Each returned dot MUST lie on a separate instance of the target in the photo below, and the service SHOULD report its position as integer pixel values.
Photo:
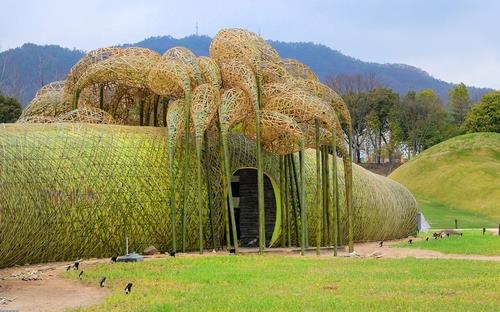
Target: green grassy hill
(458, 178)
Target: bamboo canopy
(241, 106)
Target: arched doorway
(245, 198)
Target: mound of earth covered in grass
(457, 179)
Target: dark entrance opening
(244, 185)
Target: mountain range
(25, 69)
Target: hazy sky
(454, 40)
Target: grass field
(460, 174)
(471, 243)
(442, 216)
(278, 283)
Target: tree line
(387, 126)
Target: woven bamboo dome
(96, 177)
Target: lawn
(442, 216)
(473, 242)
(279, 283)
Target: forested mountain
(23, 70)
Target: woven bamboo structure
(243, 106)
(76, 190)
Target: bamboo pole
(348, 195)
(323, 187)
(209, 191)
(335, 192)
(147, 113)
(282, 206)
(187, 105)
(141, 112)
(292, 199)
(227, 170)
(155, 110)
(260, 170)
(318, 189)
(303, 208)
(199, 187)
(298, 192)
(287, 206)
(226, 197)
(76, 97)
(101, 96)
(328, 199)
(337, 205)
(171, 191)
(164, 112)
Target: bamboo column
(147, 113)
(292, 198)
(209, 189)
(101, 96)
(335, 192)
(187, 105)
(348, 195)
(328, 199)
(225, 195)
(287, 206)
(199, 187)
(171, 183)
(318, 189)
(164, 112)
(303, 212)
(76, 97)
(324, 195)
(155, 110)
(282, 206)
(141, 112)
(260, 170)
(227, 171)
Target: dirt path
(367, 249)
(50, 293)
(54, 293)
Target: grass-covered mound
(458, 178)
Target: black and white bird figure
(128, 288)
(76, 265)
(251, 243)
(426, 239)
(102, 281)
(80, 276)
(381, 244)
(171, 253)
(114, 258)
(410, 241)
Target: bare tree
(354, 89)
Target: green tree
(423, 121)
(10, 109)
(459, 102)
(485, 116)
(381, 102)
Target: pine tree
(459, 103)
